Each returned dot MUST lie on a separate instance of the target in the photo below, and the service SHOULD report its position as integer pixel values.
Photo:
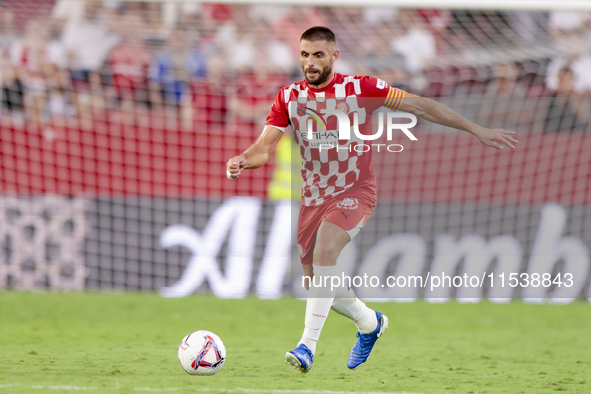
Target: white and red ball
(202, 353)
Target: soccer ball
(202, 353)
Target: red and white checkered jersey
(332, 165)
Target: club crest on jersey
(348, 203)
(343, 107)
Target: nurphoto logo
(325, 138)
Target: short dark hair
(319, 33)
(565, 70)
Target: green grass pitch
(105, 342)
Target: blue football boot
(362, 348)
(301, 358)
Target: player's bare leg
(330, 240)
(347, 304)
(370, 324)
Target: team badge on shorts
(301, 251)
(348, 203)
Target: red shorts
(349, 210)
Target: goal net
(117, 119)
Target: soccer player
(339, 188)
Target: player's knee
(329, 243)
(326, 254)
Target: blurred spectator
(551, 78)
(91, 102)
(503, 104)
(7, 30)
(207, 30)
(89, 40)
(56, 69)
(174, 68)
(222, 12)
(208, 99)
(391, 70)
(229, 30)
(129, 63)
(378, 44)
(380, 61)
(255, 91)
(579, 65)
(268, 13)
(60, 104)
(563, 23)
(349, 27)
(60, 100)
(379, 15)
(257, 47)
(437, 22)
(24, 11)
(506, 81)
(417, 44)
(155, 31)
(68, 10)
(289, 28)
(12, 90)
(567, 111)
(36, 57)
(12, 93)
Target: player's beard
(322, 77)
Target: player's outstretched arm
(257, 154)
(438, 113)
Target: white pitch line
(203, 389)
(39, 387)
(279, 391)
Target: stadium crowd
(217, 66)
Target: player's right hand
(234, 166)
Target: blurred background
(117, 119)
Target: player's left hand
(496, 138)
